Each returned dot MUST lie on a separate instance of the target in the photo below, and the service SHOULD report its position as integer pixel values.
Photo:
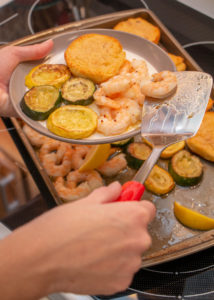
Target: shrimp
(134, 93)
(102, 100)
(126, 68)
(111, 122)
(113, 166)
(36, 139)
(140, 69)
(79, 155)
(161, 85)
(77, 184)
(116, 85)
(56, 158)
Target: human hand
(90, 246)
(11, 56)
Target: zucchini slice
(78, 91)
(136, 154)
(122, 143)
(172, 149)
(47, 74)
(159, 181)
(185, 168)
(40, 101)
(72, 121)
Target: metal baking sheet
(171, 240)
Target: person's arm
(11, 56)
(90, 247)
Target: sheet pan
(171, 240)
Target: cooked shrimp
(134, 93)
(141, 71)
(126, 68)
(161, 85)
(102, 100)
(113, 166)
(36, 139)
(116, 85)
(112, 121)
(56, 158)
(77, 184)
(79, 155)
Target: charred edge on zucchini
(40, 101)
(185, 168)
(78, 91)
(136, 154)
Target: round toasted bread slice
(203, 142)
(140, 27)
(95, 56)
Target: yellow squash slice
(159, 181)
(172, 149)
(72, 121)
(192, 219)
(47, 74)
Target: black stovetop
(191, 277)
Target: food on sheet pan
(137, 153)
(191, 218)
(95, 56)
(209, 104)
(203, 142)
(72, 121)
(178, 61)
(47, 74)
(40, 101)
(140, 27)
(159, 182)
(172, 149)
(185, 168)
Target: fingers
(33, 52)
(105, 194)
(149, 209)
(6, 108)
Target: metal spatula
(175, 118)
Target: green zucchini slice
(122, 143)
(40, 101)
(136, 154)
(78, 91)
(185, 168)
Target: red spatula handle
(131, 191)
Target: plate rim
(86, 141)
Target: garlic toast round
(140, 27)
(95, 56)
(203, 142)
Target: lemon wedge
(97, 155)
(192, 218)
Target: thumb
(33, 52)
(104, 194)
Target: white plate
(134, 46)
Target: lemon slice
(97, 155)
(192, 218)
(72, 121)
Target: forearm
(22, 276)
